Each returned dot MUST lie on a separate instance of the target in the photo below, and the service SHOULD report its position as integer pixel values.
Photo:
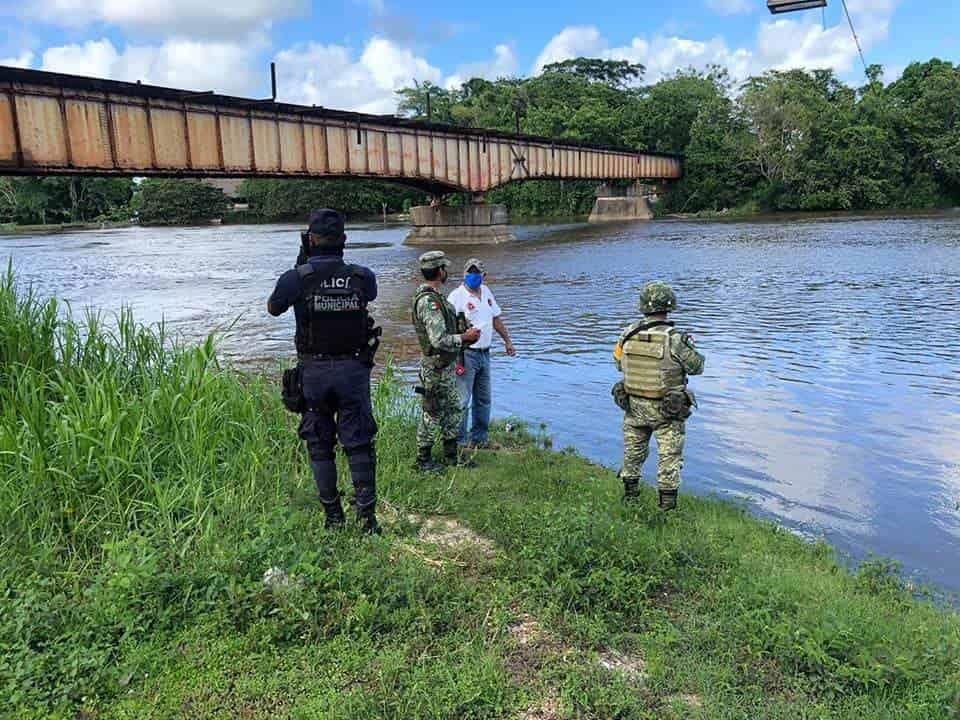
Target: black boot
(367, 520)
(631, 491)
(668, 499)
(335, 519)
(363, 471)
(325, 475)
(425, 461)
(453, 457)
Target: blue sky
(354, 54)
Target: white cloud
(661, 55)
(784, 44)
(665, 55)
(731, 7)
(502, 64)
(189, 18)
(192, 65)
(781, 44)
(23, 60)
(571, 42)
(330, 76)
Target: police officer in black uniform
(335, 341)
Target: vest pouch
(292, 390)
(643, 364)
(676, 405)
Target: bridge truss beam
(63, 124)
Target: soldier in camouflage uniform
(655, 359)
(435, 321)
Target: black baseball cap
(326, 223)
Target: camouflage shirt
(429, 316)
(682, 348)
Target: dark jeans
(475, 396)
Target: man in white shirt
(475, 300)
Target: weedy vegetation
(163, 555)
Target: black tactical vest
(334, 321)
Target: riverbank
(754, 213)
(56, 228)
(165, 555)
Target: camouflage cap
(657, 297)
(433, 259)
(474, 262)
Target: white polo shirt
(480, 311)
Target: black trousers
(338, 395)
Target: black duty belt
(304, 357)
(479, 350)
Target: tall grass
(108, 430)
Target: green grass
(145, 489)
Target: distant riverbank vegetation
(292, 200)
(72, 201)
(781, 141)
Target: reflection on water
(829, 399)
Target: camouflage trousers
(639, 423)
(441, 403)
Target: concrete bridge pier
(622, 203)
(475, 224)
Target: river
(830, 398)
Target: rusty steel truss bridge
(63, 124)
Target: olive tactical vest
(449, 319)
(335, 321)
(649, 369)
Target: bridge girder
(63, 124)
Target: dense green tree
(179, 202)
(616, 73)
(295, 199)
(57, 199)
(925, 109)
(667, 110)
(544, 198)
(716, 174)
(425, 99)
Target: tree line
(783, 140)
(62, 200)
(57, 200)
